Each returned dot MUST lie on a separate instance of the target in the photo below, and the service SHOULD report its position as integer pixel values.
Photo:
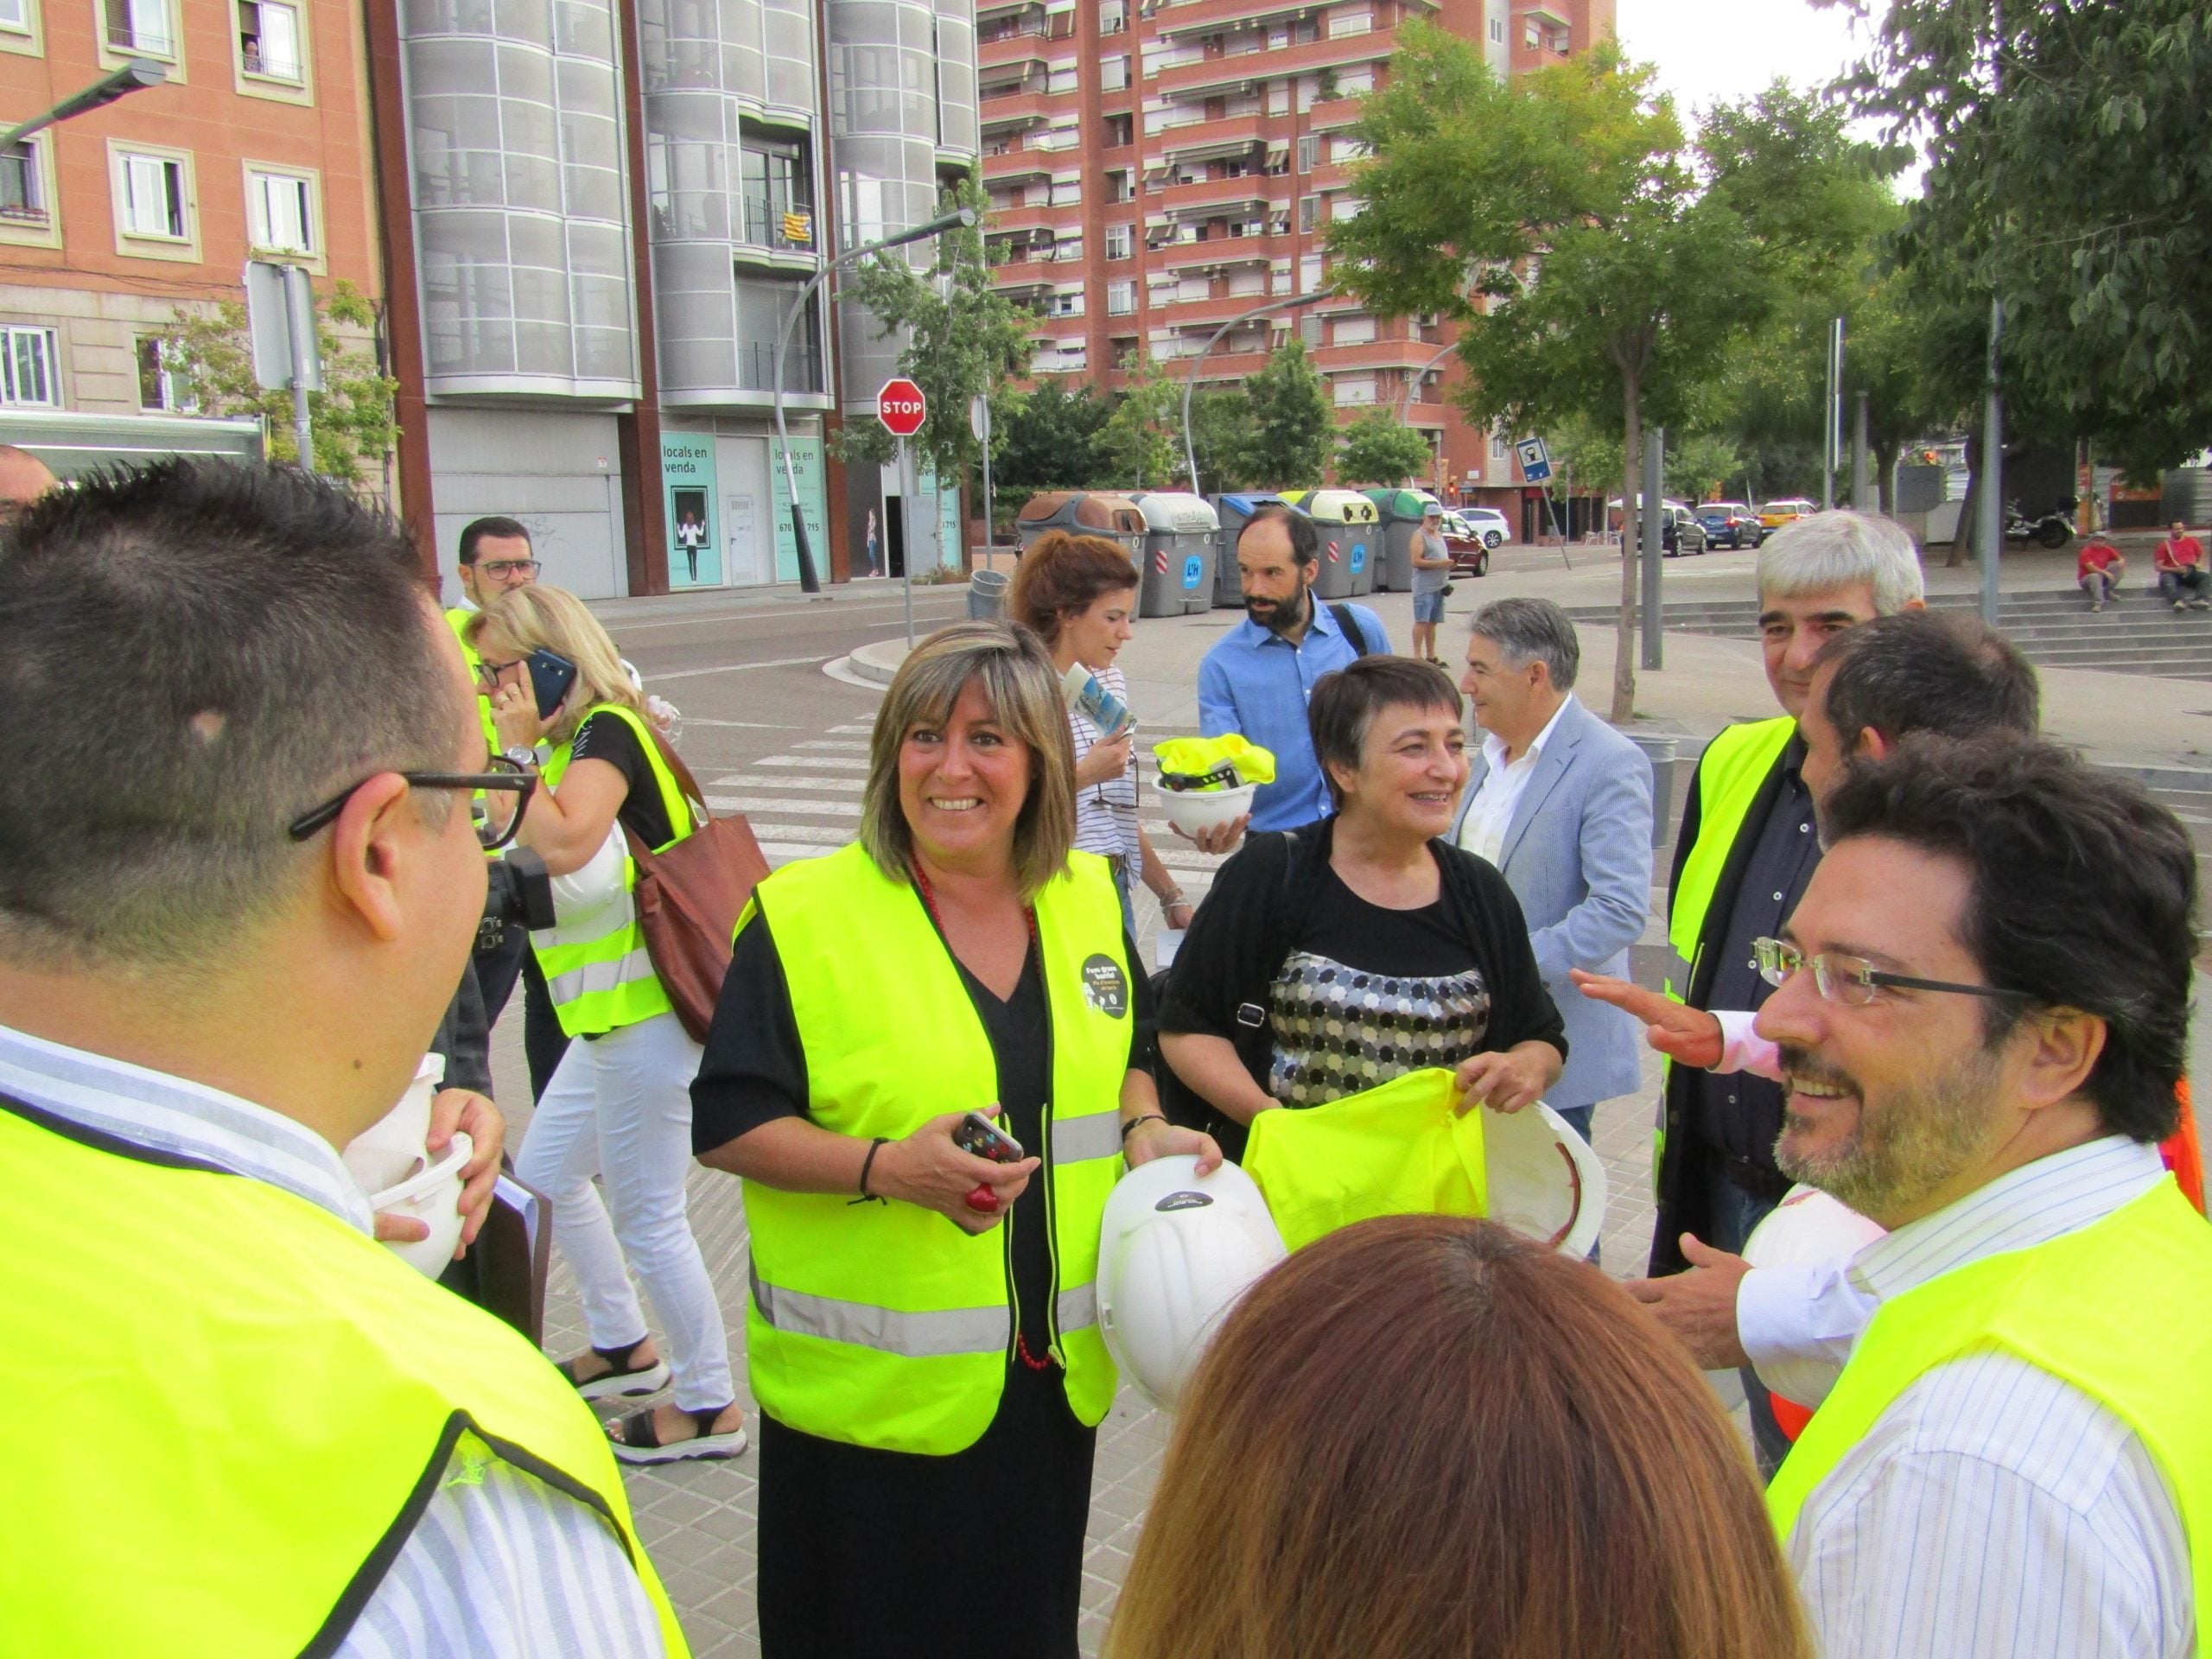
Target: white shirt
(1994, 1511)
(1483, 832)
(499, 1563)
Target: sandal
(637, 1440)
(625, 1379)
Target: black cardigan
(1251, 921)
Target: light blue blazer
(1578, 856)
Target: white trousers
(621, 1109)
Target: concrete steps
(2137, 634)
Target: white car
(1487, 521)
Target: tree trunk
(1885, 462)
(1623, 708)
(1969, 509)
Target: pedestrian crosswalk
(806, 801)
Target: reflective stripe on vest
(599, 974)
(882, 1325)
(2121, 1310)
(1729, 776)
(243, 1406)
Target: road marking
(749, 804)
(740, 668)
(778, 780)
(831, 743)
(819, 762)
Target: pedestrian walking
(922, 1331)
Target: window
(1064, 305)
(1113, 74)
(22, 185)
(1120, 131)
(29, 373)
(1498, 446)
(1309, 208)
(1121, 241)
(1498, 30)
(1119, 185)
(160, 386)
(279, 211)
(1309, 151)
(153, 196)
(1355, 331)
(1113, 16)
(140, 26)
(1309, 274)
(1349, 23)
(269, 39)
(1121, 298)
(15, 14)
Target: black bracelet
(866, 1164)
(1142, 1117)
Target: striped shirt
(1106, 814)
(499, 1563)
(1993, 1510)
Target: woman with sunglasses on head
(619, 1105)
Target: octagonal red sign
(901, 407)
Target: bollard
(986, 595)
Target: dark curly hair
(2083, 895)
(1062, 576)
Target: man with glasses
(239, 874)
(1982, 1009)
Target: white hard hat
(1807, 1228)
(1545, 1182)
(1175, 1252)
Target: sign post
(902, 409)
(1536, 468)
(280, 323)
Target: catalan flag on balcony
(798, 227)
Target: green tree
(1294, 424)
(961, 337)
(211, 353)
(1046, 438)
(1141, 445)
(1598, 264)
(1223, 431)
(1698, 464)
(2068, 171)
(1381, 449)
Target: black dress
(865, 1552)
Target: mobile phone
(978, 1136)
(550, 676)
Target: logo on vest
(1105, 986)
(1182, 1201)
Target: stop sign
(901, 407)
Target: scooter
(2052, 529)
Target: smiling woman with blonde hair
(956, 974)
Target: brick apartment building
(256, 145)
(1158, 167)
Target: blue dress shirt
(1256, 682)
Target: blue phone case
(550, 676)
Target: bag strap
(685, 783)
(1350, 625)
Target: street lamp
(133, 77)
(1291, 302)
(960, 218)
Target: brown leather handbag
(689, 895)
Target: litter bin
(1400, 513)
(1659, 748)
(1178, 549)
(1234, 512)
(986, 595)
(1084, 513)
(1348, 537)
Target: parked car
(1488, 523)
(1468, 544)
(1680, 534)
(1775, 514)
(1729, 524)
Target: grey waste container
(1659, 748)
(1083, 512)
(1400, 513)
(1179, 544)
(986, 595)
(1349, 536)
(1234, 512)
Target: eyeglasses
(1852, 981)
(505, 568)
(506, 776)
(487, 674)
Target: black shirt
(609, 738)
(754, 1071)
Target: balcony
(1213, 250)
(1029, 216)
(1000, 111)
(1208, 16)
(1209, 196)
(1207, 313)
(1407, 354)
(1269, 63)
(778, 226)
(1019, 278)
(1331, 113)
(1006, 165)
(1024, 46)
(1201, 140)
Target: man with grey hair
(1747, 848)
(239, 879)
(1561, 802)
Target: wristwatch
(522, 755)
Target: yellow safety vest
(599, 972)
(885, 1325)
(457, 620)
(1398, 1149)
(1729, 773)
(2121, 1309)
(234, 1407)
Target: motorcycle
(2052, 529)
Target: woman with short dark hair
(1425, 1435)
(1330, 959)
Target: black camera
(516, 889)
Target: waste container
(986, 595)
(1234, 512)
(1660, 749)
(1178, 549)
(1348, 537)
(1083, 512)
(1399, 512)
